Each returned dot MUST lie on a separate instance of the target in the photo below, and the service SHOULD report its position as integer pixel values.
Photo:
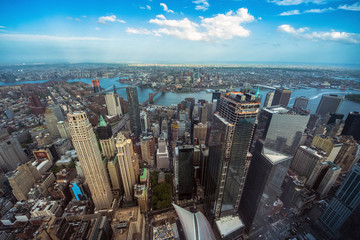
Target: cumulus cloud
(297, 12)
(333, 35)
(353, 7)
(142, 31)
(111, 18)
(148, 7)
(221, 26)
(166, 9)
(202, 5)
(296, 2)
(35, 37)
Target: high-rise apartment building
(56, 109)
(63, 128)
(229, 157)
(147, 144)
(329, 104)
(106, 138)
(268, 100)
(266, 174)
(200, 133)
(88, 152)
(22, 180)
(127, 163)
(301, 102)
(346, 200)
(352, 125)
(134, 110)
(11, 153)
(281, 97)
(113, 104)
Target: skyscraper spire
(102, 121)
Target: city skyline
(278, 31)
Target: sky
(181, 31)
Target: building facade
(134, 110)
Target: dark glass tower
(352, 125)
(229, 157)
(329, 104)
(281, 97)
(134, 111)
(301, 102)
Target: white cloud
(297, 12)
(353, 7)
(2, 26)
(289, 29)
(291, 12)
(35, 37)
(333, 35)
(221, 26)
(97, 29)
(111, 18)
(148, 7)
(202, 5)
(69, 18)
(166, 9)
(160, 16)
(142, 31)
(77, 19)
(296, 2)
(142, 7)
(84, 16)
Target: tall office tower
(323, 177)
(209, 111)
(266, 174)
(281, 97)
(147, 144)
(88, 152)
(329, 104)
(301, 102)
(114, 173)
(203, 114)
(200, 133)
(144, 121)
(126, 158)
(215, 96)
(106, 138)
(268, 100)
(113, 104)
(347, 156)
(22, 180)
(305, 160)
(346, 200)
(335, 118)
(134, 110)
(35, 104)
(56, 109)
(184, 157)
(331, 146)
(11, 153)
(63, 128)
(282, 127)
(96, 85)
(51, 123)
(352, 125)
(230, 139)
(162, 154)
(181, 126)
(140, 193)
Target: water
(170, 98)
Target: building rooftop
(273, 156)
(143, 175)
(229, 224)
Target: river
(170, 98)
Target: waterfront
(170, 98)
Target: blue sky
(188, 31)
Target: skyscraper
(56, 109)
(127, 167)
(301, 102)
(269, 98)
(113, 104)
(266, 174)
(305, 160)
(184, 169)
(88, 152)
(51, 123)
(352, 125)
(134, 110)
(106, 138)
(329, 104)
(11, 153)
(147, 144)
(281, 97)
(229, 157)
(96, 85)
(346, 200)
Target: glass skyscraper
(134, 110)
(229, 158)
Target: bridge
(152, 96)
(116, 128)
(116, 88)
(264, 86)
